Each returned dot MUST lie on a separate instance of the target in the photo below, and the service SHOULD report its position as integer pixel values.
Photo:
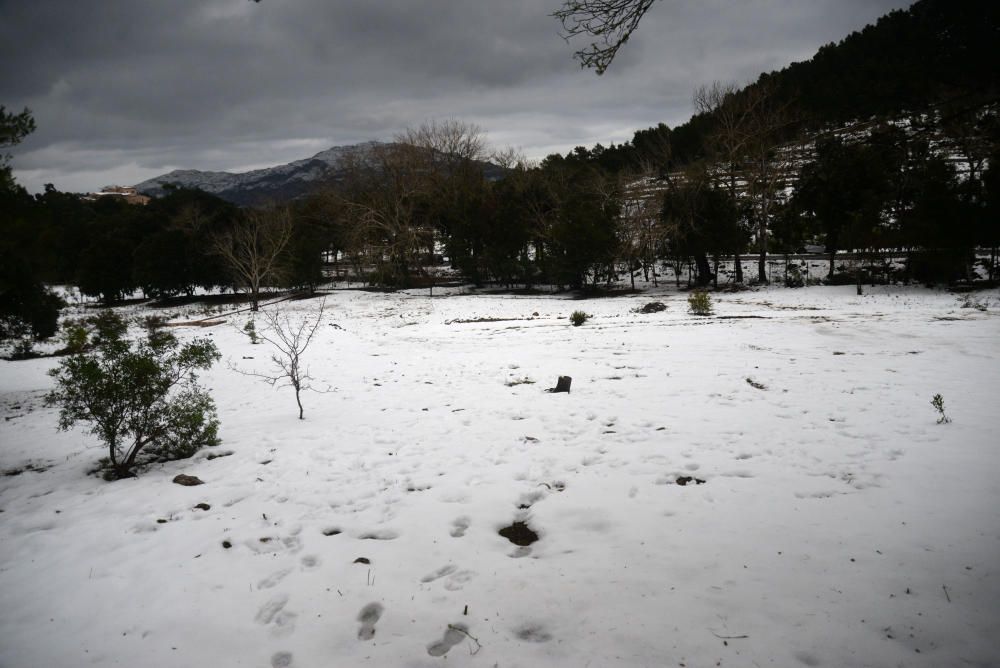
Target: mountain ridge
(281, 182)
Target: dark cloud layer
(123, 90)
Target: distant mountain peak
(278, 183)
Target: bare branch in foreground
(611, 21)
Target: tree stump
(562, 385)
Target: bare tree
(449, 142)
(510, 158)
(381, 200)
(289, 341)
(253, 247)
(395, 191)
(612, 22)
(744, 147)
(768, 163)
(728, 144)
(640, 234)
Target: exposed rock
(188, 480)
(519, 533)
(653, 307)
(686, 479)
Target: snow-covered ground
(838, 524)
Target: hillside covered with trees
(884, 143)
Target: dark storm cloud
(127, 89)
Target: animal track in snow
(369, 615)
(309, 562)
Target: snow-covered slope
(837, 525)
(278, 183)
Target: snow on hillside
(837, 525)
(241, 187)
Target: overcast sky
(124, 90)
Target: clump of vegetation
(75, 336)
(153, 323)
(513, 382)
(141, 399)
(250, 329)
(938, 403)
(794, 277)
(972, 302)
(23, 349)
(651, 307)
(578, 318)
(28, 310)
(700, 303)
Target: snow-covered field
(838, 524)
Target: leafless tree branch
(612, 22)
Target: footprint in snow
(273, 544)
(527, 500)
(281, 660)
(274, 578)
(369, 615)
(533, 633)
(459, 526)
(456, 581)
(273, 613)
(269, 610)
(439, 573)
(454, 635)
(381, 534)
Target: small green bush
(578, 318)
(250, 329)
(76, 336)
(938, 403)
(700, 303)
(141, 399)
